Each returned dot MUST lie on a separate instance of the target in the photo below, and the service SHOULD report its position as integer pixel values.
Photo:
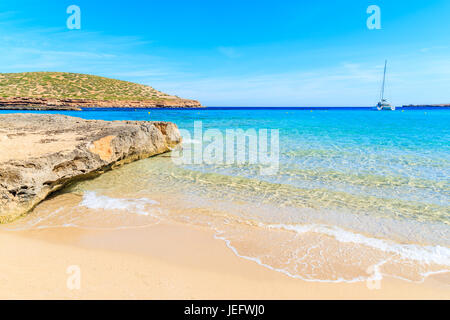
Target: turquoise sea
(357, 194)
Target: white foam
(289, 274)
(140, 206)
(426, 254)
(423, 254)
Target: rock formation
(18, 103)
(40, 153)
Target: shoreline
(188, 107)
(172, 258)
(42, 104)
(48, 152)
(149, 263)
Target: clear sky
(241, 52)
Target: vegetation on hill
(63, 85)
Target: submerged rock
(40, 153)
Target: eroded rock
(40, 154)
(35, 103)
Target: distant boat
(383, 104)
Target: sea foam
(140, 206)
(433, 259)
(426, 254)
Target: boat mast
(384, 78)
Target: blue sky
(241, 52)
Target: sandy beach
(165, 261)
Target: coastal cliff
(19, 103)
(73, 91)
(43, 153)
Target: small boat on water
(383, 104)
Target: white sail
(383, 104)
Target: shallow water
(358, 193)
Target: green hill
(62, 85)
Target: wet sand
(169, 260)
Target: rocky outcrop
(40, 153)
(24, 103)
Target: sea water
(357, 193)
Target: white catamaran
(383, 104)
